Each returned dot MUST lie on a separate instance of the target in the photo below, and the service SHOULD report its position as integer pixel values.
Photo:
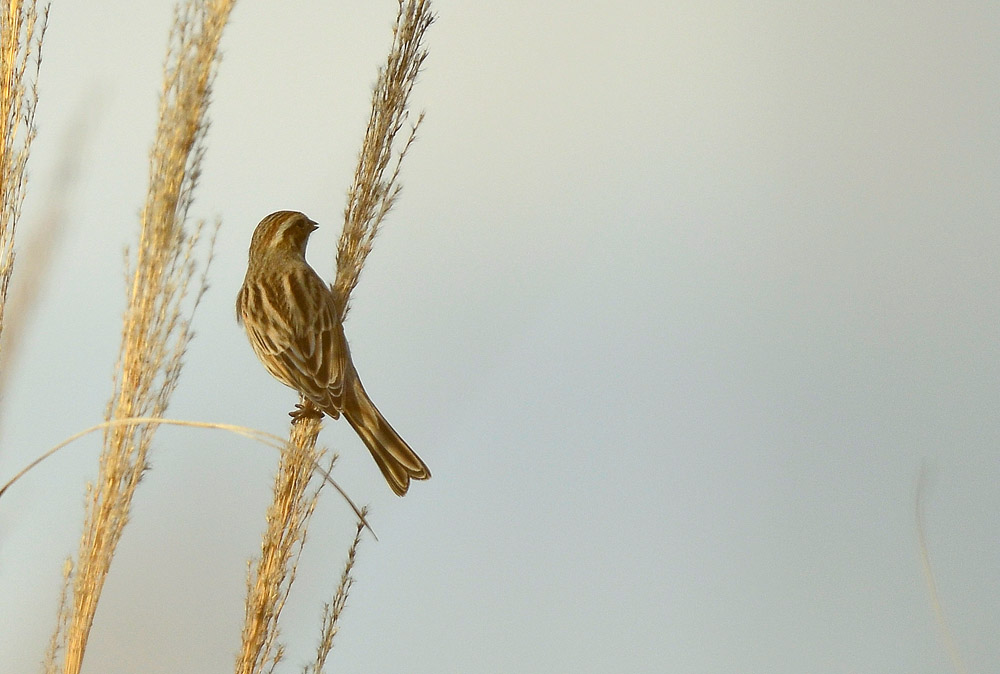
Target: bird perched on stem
(295, 327)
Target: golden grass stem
(375, 187)
(270, 580)
(156, 328)
(332, 611)
(245, 431)
(20, 44)
(371, 196)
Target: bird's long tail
(394, 457)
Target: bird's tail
(394, 457)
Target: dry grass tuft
(270, 581)
(371, 196)
(55, 642)
(333, 610)
(20, 45)
(375, 188)
(156, 327)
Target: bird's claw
(305, 410)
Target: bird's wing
(300, 341)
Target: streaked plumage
(294, 327)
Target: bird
(295, 326)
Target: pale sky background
(676, 302)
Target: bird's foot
(305, 410)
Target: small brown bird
(295, 328)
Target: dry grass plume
(270, 579)
(335, 608)
(372, 195)
(156, 326)
(375, 187)
(20, 48)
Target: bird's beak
(313, 226)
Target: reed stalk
(163, 291)
(371, 197)
(21, 38)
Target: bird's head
(281, 233)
